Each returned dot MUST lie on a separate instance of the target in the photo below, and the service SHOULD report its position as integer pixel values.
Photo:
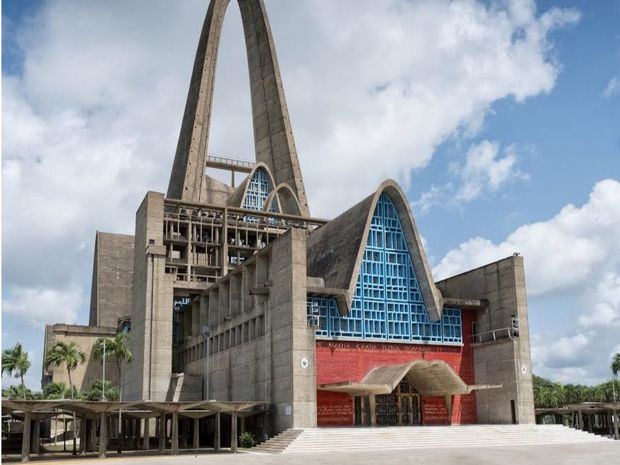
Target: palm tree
(68, 354)
(97, 390)
(615, 364)
(15, 361)
(17, 391)
(59, 391)
(115, 347)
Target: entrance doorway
(402, 407)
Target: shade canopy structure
(428, 378)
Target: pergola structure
(31, 412)
(578, 412)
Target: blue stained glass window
(387, 303)
(257, 191)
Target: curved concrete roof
(287, 200)
(429, 378)
(336, 250)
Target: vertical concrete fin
(273, 135)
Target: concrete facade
(110, 296)
(84, 375)
(222, 287)
(502, 352)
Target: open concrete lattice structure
(236, 293)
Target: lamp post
(103, 382)
(205, 332)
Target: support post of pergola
(233, 432)
(26, 438)
(162, 432)
(83, 436)
(36, 436)
(449, 408)
(103, 435)
(196, 444)
(216, 429)
(373, 409)
(174, 448)
(145, 443)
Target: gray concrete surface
(608, 454)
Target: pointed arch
(273, 136)
(239, 197)
(285, 198)
(336, 250)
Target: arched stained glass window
(387, 303)
(257, 191)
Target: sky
(500, 119)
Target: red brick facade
(338, 361)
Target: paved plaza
(560, 454)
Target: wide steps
(385, 438)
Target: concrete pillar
(373, 409)
(83, 437)
(26, 438)
(449, 408)
(174, 448)
(216, 430)
(103, 435)
(196, 444)
(615, 420)
(162, 432)
(580, 419)
(233, 432)
(36, 436)
(92, 435)
(146, 438)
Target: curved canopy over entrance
(429, 378)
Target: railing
(495, 334)
(215, 161)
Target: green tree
(15, 361)
(68, 354)
(18, 391)
(59, 391)
(96, 391)
(116, 348)
(615, 364)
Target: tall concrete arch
(273, 135)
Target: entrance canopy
(429, 378)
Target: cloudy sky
(501, 119)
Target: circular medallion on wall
(304, 362)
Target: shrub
(246, 440)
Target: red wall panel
(338, 361)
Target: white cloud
(91, 121)
(35, 307)
(484, 170)
(568, 250)
(613, 88)
(575, 251)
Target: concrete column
(26, 438)
(196, 433)
(216, 430)
(174, 448)
(162, 432)
(83, 436)
(373, 409)
(233, 432)
(146, 438)
(580, 418)
(92, 435)
(615, 420)
(449, 408)
(103, 435)
(36, 436)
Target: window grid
(257, 192)
(387, 303)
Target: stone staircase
(383, 438)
